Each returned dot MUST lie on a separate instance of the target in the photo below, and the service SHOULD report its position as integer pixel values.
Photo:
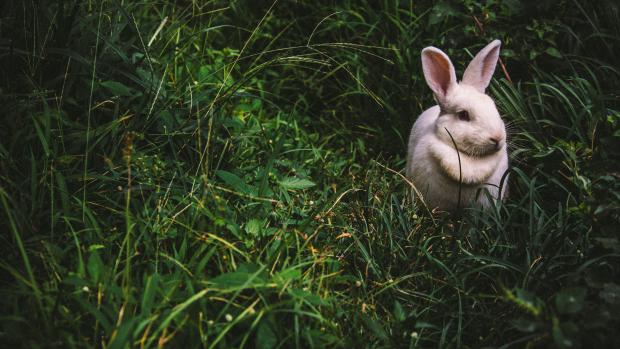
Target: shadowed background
(229, 173)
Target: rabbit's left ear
(480, 71)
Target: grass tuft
(228, 174)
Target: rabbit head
(467, 112)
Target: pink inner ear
(490, 61)
(437, 72)
(480, 71)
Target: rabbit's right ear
(480, 70)
(438, 72)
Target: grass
(229, 174)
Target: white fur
(432, 160)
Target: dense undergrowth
(229, 174)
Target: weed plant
(230, 174)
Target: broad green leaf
(234, 181)
(95, 266)
(243, 278)
(552, 51)
(252, 268)
(296, 183)
(232, 280)
(399, 312)
(287, 275)
(123, 333)
(254, 226)
(99, 315)
(375, 327)
(424, 324)
(149, 293)
(117, 88)
(234, 229)
(307, 296)
(266, 338)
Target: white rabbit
(472, 120)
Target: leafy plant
(228, 174)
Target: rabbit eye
(463, 115)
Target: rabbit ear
(480, 71)
(438, 72)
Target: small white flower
(414, 334)
(85, 289)
(228, 317)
